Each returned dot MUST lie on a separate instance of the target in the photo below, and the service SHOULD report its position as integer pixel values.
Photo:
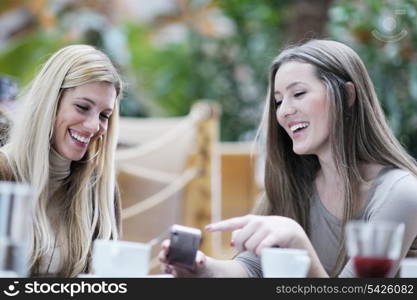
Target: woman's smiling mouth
(79, 139)
(297, 128)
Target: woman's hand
(253, 233)
(200, 268)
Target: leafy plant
(385, 36)
(229, 68)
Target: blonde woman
(331, 157)
(63, 144)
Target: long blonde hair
(90, 189)
(358, 133)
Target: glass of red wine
(374, 247)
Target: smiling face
(302, 107)
(82, 117)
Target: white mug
(120, 258)
(408, 268)
(284, 263)
(16, 221)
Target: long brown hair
(358, 133)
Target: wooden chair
(156, 159)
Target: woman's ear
(351, 93)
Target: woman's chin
(299, 151)
(75, 156)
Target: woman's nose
(92, 124)
(285, 109)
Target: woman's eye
(103, 116)
(299, 94)
(278, 103)
(81, 107)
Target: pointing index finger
(228, 224)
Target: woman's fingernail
(208, 227)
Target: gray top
(392, 197)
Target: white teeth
(80, 138)
(298, 126)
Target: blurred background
(175, 53)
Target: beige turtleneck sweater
(59, 170)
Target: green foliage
(23, 57)
(166, 75)
(384, 33)
(230, 69)
(163, 74)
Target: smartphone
(185, 242)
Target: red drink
(372, 266)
